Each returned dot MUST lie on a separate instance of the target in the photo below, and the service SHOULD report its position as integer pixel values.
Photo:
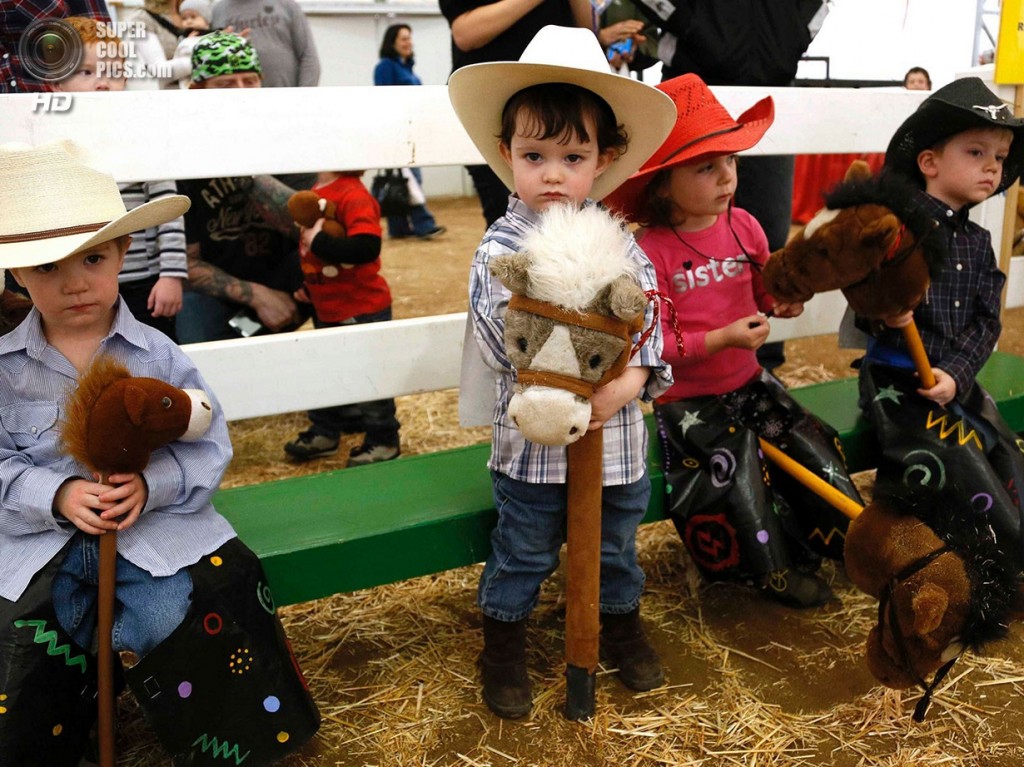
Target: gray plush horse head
(568, 326)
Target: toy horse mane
(993, 580)
(75, 431)
(575, 254)
(898, 195)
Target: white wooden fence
(196, 134)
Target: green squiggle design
(220, 749)
(42, 636)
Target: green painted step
(355, 528)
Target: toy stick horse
(870, 243)
(938, 594)
(114, 421)
(574, 306)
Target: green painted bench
(355, 528)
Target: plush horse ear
(929, 605)
(858, 171)
(512, 272)
(134, 403)
(880, 234)
(626, 299)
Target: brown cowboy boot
(506, 685)
(627, 648)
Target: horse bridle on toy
(592, 321)
(886, 606)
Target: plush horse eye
(595, 361)
(521, 343)
(166, 402)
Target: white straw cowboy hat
(561, 55)
(52, 205)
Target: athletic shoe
(368, 453)
(311, 445)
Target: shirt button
(949, 213)
(956, 304)
(6, 56)
(33, 430)
(959, 267)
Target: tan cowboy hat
(703, 128)
(561, 55)
(52, 205)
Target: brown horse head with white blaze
(874, 242)
(575, 303)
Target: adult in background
(917, 79)
(243, 264)
(15, 17)
(395, 68)
(500, 31)
(280, 32)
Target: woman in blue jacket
(395, 68)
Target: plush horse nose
(549, 416)
(201, 416)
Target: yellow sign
(1010, 49)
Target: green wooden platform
(355, 528)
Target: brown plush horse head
(870, 241)
(940, 591)
(574, 306)
(115, 421)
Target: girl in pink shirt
(739, 516)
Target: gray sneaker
(367, 453)
(310, 445)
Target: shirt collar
(942, 212)
(28, 336)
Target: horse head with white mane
(575, 305)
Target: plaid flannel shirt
(625, 434)
(959, 317)
(15, 16)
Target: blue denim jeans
(147, 608)
(205, 318)
(530, 532)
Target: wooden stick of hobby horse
(811, 481)
(583, 579)
(105, 652)
(918, 355)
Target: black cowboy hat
(952, 109)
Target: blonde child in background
(195, 21)
(738, 517)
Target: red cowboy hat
(702, 127)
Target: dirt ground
(749, 682)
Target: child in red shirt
(342, 280)
(738, 516)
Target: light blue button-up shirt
(178, 524)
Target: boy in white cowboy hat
(708, 257)
(559, 128)
(63, 236)
(961, 146)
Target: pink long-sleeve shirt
(712, 283)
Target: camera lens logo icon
(50, 49)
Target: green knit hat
(223, 53)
